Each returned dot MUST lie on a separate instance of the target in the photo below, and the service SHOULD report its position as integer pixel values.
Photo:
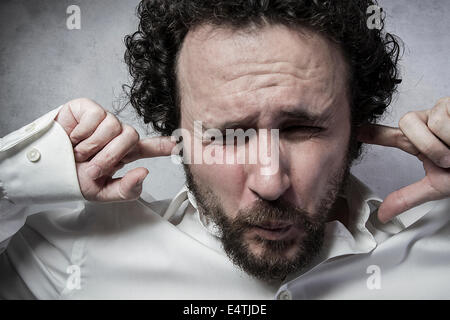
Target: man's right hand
(102, 145)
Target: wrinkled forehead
(219, 63)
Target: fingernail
(140, 182)
(93, 171)
(137, 187)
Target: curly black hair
(372, 54)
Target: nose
(268, 187)
(268, 183)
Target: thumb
(406, 198)
(129, 187)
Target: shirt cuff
(37, 164)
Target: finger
(406, 198)
(439, 120)
(113, 152)
(128, 187)
(414, 127)
(66, 119)
(88, 115)
(107, 130)
(149, 148)
(386, 136)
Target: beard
(276, 258)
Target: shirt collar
(363, 234)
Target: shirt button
(33, 155)
(285, 295)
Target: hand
(425, 134)
(103, 145)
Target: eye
(222, 140)
(302, 128)
(301, 131)
(215, 140)
(235, 139)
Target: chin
(275, 249)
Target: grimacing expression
(270, 77)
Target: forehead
(228, 75)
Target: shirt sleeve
(37, 167)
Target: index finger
(386, 136)
(150, 148)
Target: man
(308, 229)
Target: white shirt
(56, 245)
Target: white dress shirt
(56, 245)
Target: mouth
(274, 230)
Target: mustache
(277, 210)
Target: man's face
(271, 78)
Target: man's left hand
(425, 134)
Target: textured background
(43, 64)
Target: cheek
(226, 181)
(311, 166)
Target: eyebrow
(241, 123)
(305, 116)
(302, 116)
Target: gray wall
(43, 64)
